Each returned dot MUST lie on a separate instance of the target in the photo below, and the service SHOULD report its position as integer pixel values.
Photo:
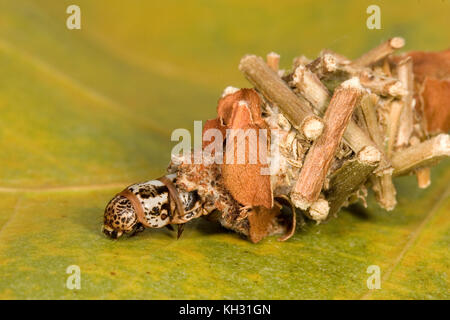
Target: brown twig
(421, 155)
(406, 76)
(311, 88)
(385, 192)
(337, 57)
(423, 174)
(325, 64)
(348, 179)
(321, 153)
(296, 109)
(355, 137)
(383, 186)
(386, 67)
(380, 52)
(368, 105)
(384, 86)
(300, 60)
(396, 107)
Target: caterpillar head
(121, 215)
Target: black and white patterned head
(120, 217)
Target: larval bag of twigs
(314, 139)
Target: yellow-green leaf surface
(85, 112)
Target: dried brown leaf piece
(242, 176)
(212, 124)
(226, 106)
(244, 179)
(436, 104)
(291, 226)
(263, 222)
(430, 64)
(432, 79)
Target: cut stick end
(369, 155)
(299, 74)
(299, 201)
(424, 185)
(380, 52)
(319, 210)
(245, 60)
(397, 89)
(397, 42)
(273, 55)
(329, 63)
(421, 155)
(442, 145)
(352, 83)
(423, 177)
(312, 127)
(301, 60)
(273, 61)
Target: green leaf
(83, 113)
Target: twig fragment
(337, 57)
(311, 87)
(325, 64)
(368, 105)
(347, 180)
(318, 160)
(421, 155)
(383, 186)
(296, 109)
(385, 192)
(318, 96)
(423, 174)
(384, 86)
(406, 76)
(393, 124)
(380, 52)
(423, 177)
